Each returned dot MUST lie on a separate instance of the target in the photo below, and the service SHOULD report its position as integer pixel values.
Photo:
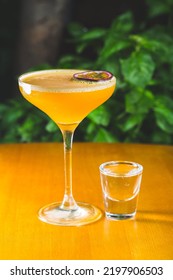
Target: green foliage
(22, 122)
(140, 55)
(138, 69)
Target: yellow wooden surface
(31, 175)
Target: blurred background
(131, 38)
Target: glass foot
(84, 214)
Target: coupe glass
(67, 101)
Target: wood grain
(31, 175)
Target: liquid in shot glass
(120, 181)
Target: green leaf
(148, 43)
(51, 126)
(104, 136)
(160, 42)
(123, 23)
(100, 116)
(112, 46)
(91, 128)
(138, 69)
(81, 47)
(13, 116)
(132, 121)
(116, 39)
(93, 34)
(30, 128)
(163, 123)
(163, 107)
(139, 101)
(166, 113)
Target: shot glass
(120, 181)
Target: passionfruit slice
(94, 76)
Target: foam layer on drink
(61, 81)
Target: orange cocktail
(67, 97)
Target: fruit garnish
(94, 76)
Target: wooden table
(31, 175)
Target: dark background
(90, 13)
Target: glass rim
(101, 85)
(139, 168)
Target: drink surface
(65, 99)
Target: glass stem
(68, 202)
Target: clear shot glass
(120, 181)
